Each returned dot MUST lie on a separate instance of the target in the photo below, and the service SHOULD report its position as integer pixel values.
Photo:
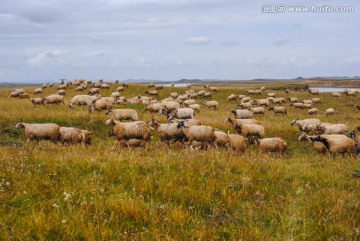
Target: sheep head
(20, 124)
(293, 122)
(109, 111)
(110, 122)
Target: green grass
(171, 193)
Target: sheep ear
(21, 120)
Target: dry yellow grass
(52, 192)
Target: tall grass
(52, 192)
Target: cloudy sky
(44, 40)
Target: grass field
(54, 192)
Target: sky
(46, 40)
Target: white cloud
(198, 41)
(352, 60)
(280, 41)
(45, 58)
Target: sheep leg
(113, 147)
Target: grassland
(55, 192)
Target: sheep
(101, 104)
(298, 105)
(262, 88)
(38, 91)
(211, 104)
(79, 100)
(171, 105)
(329, 111)
(250, 92)
(237, 142)
(159, 87)
(314, 91)
(310, 128)
(152, 92)
(174, 95)
(221, 139)
(79, 88)
(151, 85)
(271, 95)
(313, 111)
(37, 101)
(240, 97)
(47, 131)
(213, 89)
(242, 114)
(156, 107)
(168, 131)
(315, 100)
(61, 92)
(105, 86)
(63, 86)
(13, 94)
(246, 105)
(207, 95)
(263, 102)
(195, 107)
(54, 99)
(231, 97)
(333, 129)
(293, 99)
(245, 99)
(258, 111)
(300, 123)
(182, 113)
(115, 95)
(278, 110)
(335, 94)
(241, 121)
(94, 91)
(24, 96)
(306, 101)
(250, 130)
(274, 144)
(75, 135)
(335, 146)
(124, 114)
(198, 133)
(279, 100)
(132, 101)
(201, 93)
(130, 130)
(120, 88)
(319, 146)
(193, 95)
(189, 102)
(351, 93)
(287, 91)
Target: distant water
(330, 89)
(177, 85)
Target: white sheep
(152, 92)
(75, 135)
(278, 110)
(335, 94)
(195, 107)
(329, 111)
(334, 146)
(333, 129)
(258, 110)
(198, 133)
(130, 130)
(94, 91)
(187, 122)
(300, 123)
(101, 104)
(211, 104)
(274, 144)
(232, 97)
(242, 114)
(221, 139)
(237, 142)
(79, 100)
(313, 111)
(61, 92)
(54, 99)
(250, 130)
(182, 113)
(124, 114)
(189, 102)
(37, 101)
(168, 131)
(38, 91)
(156, 107)
(47, 131)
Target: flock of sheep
(182, 127)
